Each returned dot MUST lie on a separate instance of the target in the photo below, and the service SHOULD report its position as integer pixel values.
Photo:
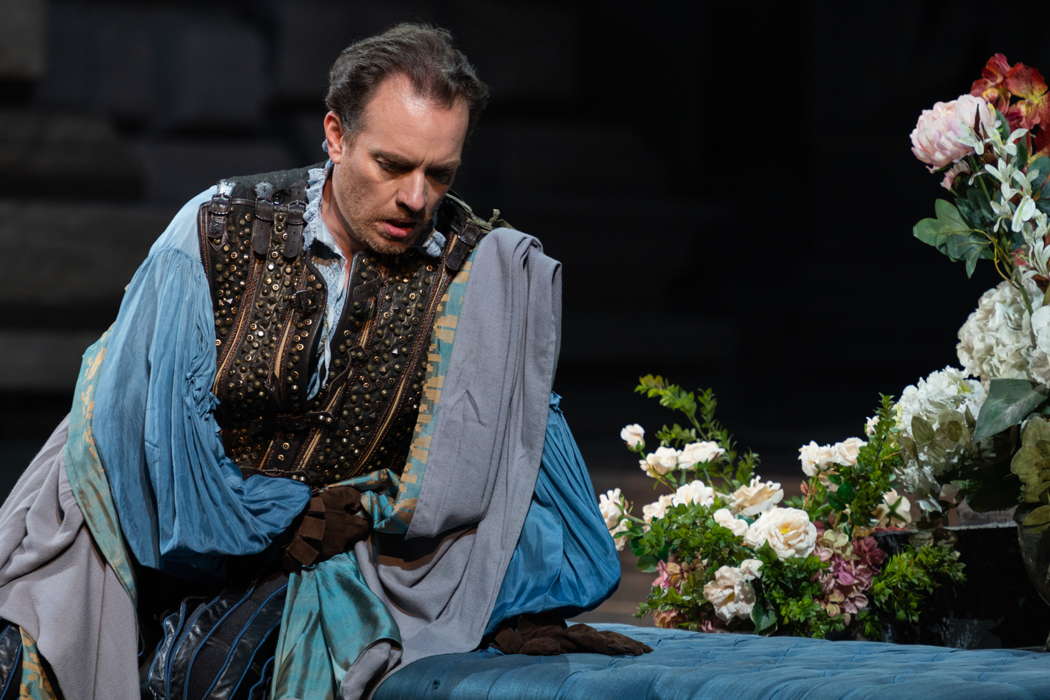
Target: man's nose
(413, 192)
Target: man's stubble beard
(378, 243)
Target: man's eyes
(392, 167)
(443, 177)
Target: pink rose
(937, 139)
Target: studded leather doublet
(269, 301)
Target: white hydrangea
(1039, 360)
(944, 396)
(995, 342)
(943, 392)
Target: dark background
(729, 185)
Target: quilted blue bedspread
(730, 667)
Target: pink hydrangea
(938, 137)
(850, 572)
(668, 619)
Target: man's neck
(335, 221)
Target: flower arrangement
(730, 553)
(960, 430)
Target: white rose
(756, 497)
(617, 540)
(610, 504)
(810, 456)
(696, 452)
(632, 434)
(787, 530)
(660, 462)
(846, 452)
(730, 593)
(694, 492)
(730, 522)
(658, 508)
(894, 511)
(751, 569)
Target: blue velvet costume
(184, 508)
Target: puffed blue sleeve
(565, 561)
(182, 503)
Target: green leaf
(1031, 463)
(1022, 151)
(1040, 517)
(763, 617)
(921, 430)
(974, 207)
(953, 236)
(950, 433)
(1040, 164)
(1009, 402)
(1004, 125)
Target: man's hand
(332, 522)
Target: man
(304, 452)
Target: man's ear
(333, 136)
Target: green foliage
(689, 533)
(858, 488)
(1009, 402)
(950, 234)
(728, 472)
(688, 536)
(900, 591)
(790, 595)
(974, 206)
(1042, 190)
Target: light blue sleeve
(182, 503)
(565, 560)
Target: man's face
(390, 175)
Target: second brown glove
(545, 634)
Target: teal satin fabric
(565, 559)
(330, 617)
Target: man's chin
(388, 246)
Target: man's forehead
(403, 119)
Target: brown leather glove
(545, 634)
(332, 522)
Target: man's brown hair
(426, 54)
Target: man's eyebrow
(401, 161)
